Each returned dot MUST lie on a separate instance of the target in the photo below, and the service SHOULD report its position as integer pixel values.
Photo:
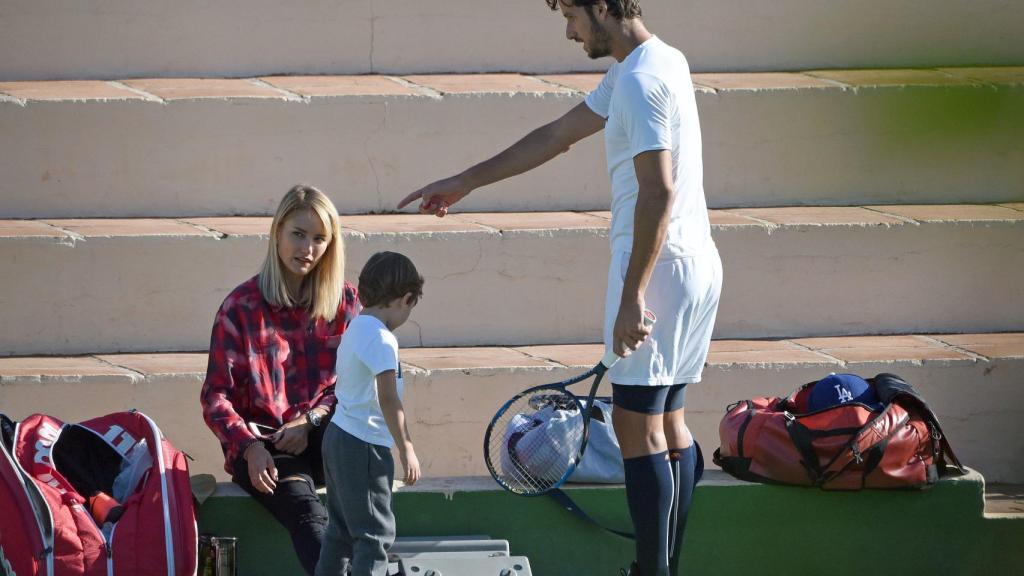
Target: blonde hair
(322, 288)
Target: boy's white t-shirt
(649, 104)
(367, 349)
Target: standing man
(663, 257)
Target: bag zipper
(107, 547)
(936, 441)
(169, 541)
(110, 551)
(23, 476)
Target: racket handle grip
(610, 357)
(649, 318)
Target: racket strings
(533, 443)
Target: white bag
(540, 435)
(602, 460)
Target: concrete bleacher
(217, 147)
(864, 167)
(971, 380)
(779, 260)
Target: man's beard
(600, 40)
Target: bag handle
(566, 502)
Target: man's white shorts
(683, 293)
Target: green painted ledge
(735, 528)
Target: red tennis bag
(54, 480)
(844, 447)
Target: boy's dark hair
(621, 9)
(387, 276)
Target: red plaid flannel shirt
(268, 364)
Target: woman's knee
(305, 512)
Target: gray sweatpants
(361, 527)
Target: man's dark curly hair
(621, 9)
(387, 276)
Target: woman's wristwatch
(315, 418)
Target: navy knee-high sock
(649, 493)
(684, 464)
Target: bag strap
(801, 437)
(946, 451)
(891, 387)
(566, 502)
(870, 440)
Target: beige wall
(68, 39)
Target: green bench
(735, 528)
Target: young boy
(368, 422)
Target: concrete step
(169, 147)
(730, 522)
(972, 381)
(1004, 501)
(121, 38)
(82, 286)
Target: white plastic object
(135, 465)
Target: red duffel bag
(894, 443)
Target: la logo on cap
(836, 389)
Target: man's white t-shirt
(649, 104)
(367, 349)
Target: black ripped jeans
(295, 503)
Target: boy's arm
(531, 151)
(394, 416)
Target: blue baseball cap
(836, 389)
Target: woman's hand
(293, 437)
(262, 471)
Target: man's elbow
(657, 194)
(558, 136)
(389, 402)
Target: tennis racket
(536, 439)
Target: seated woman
(270, 380)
